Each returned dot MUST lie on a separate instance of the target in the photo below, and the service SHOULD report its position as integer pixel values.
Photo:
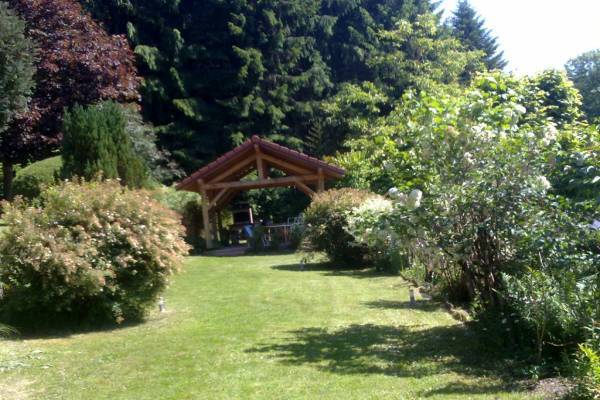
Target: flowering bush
(91, 251)
(367, 222)
(387, 228)
(326, 221)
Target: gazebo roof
(290, 161)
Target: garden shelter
(221, 180)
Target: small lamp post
(411, 294)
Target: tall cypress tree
(470, 29)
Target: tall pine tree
(470, 29)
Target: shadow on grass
(464, 389)
(298, 267)
(330, 269)
(419, 305)
(402, 351)
(66, 330)
(243, 251)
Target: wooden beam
(286, 166)
(218, 197)
(235, 168)
(226, 199)
(214, 227)
(260, 165)
(219, 224)
(305, 189)
(263, 183)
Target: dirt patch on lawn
(553, 388)
(19, 389)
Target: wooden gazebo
(221, 180)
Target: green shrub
(90, 252)
(588, 370)
(326, 221)
(31, 180)
(96, 142)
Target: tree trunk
(8, 170)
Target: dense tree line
(218, 71)
(215, 72)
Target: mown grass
(259, 328)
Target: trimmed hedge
(30, 181)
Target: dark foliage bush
(326, 226)
(91, 252)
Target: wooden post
(206, 215)
(220, 226)
(215, 229)
(260, 166)
(321, 183)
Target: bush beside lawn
(90, 252)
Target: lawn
(258, 327)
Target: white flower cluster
(412, 200)
(542, 183)
(550, 135)
(483, 133)
(375, 205)
(469, 159)
(365, 222)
